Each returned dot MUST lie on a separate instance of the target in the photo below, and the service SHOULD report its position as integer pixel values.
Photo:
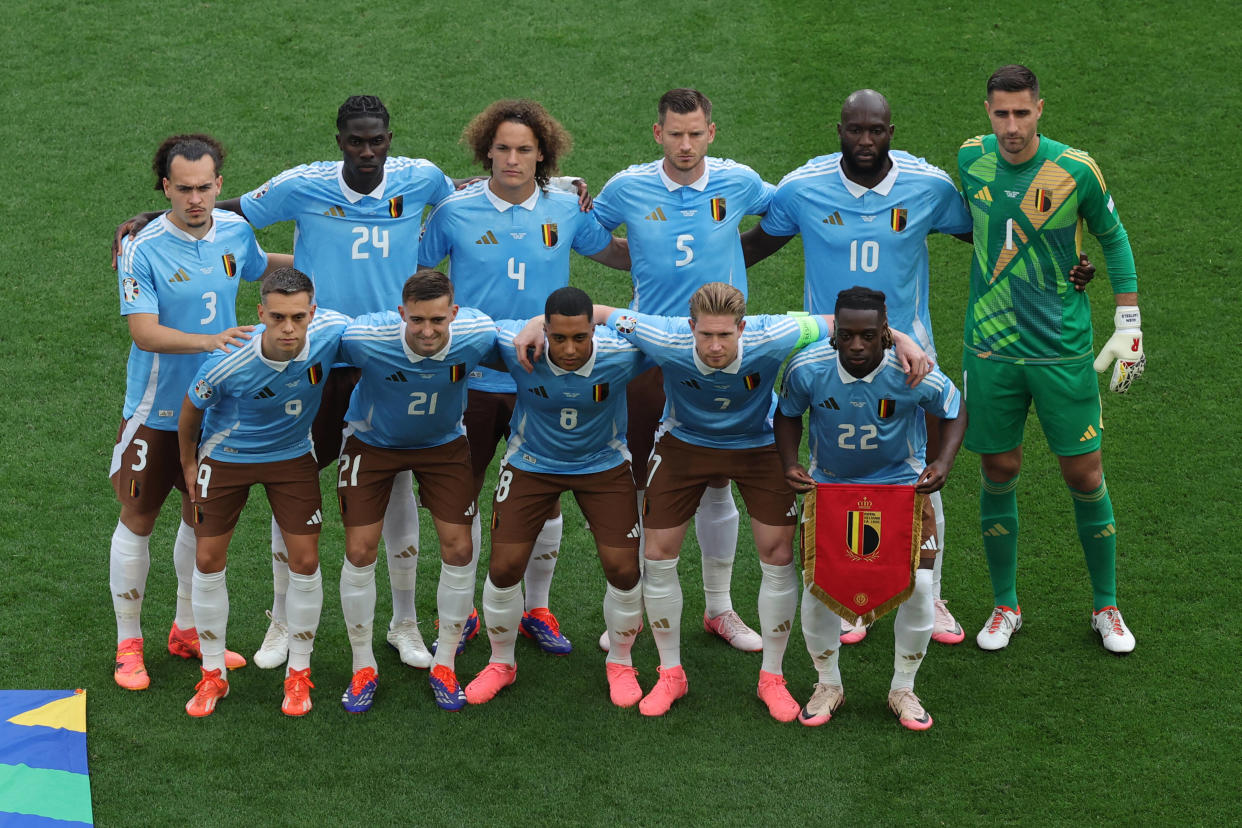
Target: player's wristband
(1127, 318)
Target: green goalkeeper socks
(1093, 513)
(998, 518)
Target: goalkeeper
(1028, 338)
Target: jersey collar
(699, 183)
(705, 369)
(353, 196)
(177, 232)
(584, 371)
(503, 206)
(281, 366)
(847, 377)
(438, 356)
(858, 191)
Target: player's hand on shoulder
(129, 227)
(1082, 273)
(798, 479)
(529, 343)
(914, 361)
(236, 337)
(585, 202)
(463, 183)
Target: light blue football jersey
(260, 411)
(682, 237)
(730, 407)
(504, 259)
(570, 422)
(358, 248)
(869, 429)
(403, 400)
(191, 284)
(877, 237)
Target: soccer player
(357, 225)
(508, 240)
(254, 407)
(719, 368)
(406, 414)
(681, 214)
(866, 425)
(178, 283)
(1029, 338)
(568, 435)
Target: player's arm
(132, 226)
(936, 473)
(757, 245)
(616, 255)
(149, 335)
(189, 425)
(788, 433)
(275, 261)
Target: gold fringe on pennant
(808, 564)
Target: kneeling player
(254, 407)
(568, 434)
(864, 419)
(406, 414)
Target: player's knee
(1001, 468)
(140, 523)
(456, 548)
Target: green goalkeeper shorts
(999, 395)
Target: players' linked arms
(1124, 349)
(914, 360)
(130, 227)
(529, 342)
(149, 335)
(1082, 273)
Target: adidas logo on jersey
(179, 276)
(334, 211)
(835, 218)
(264, 393)
(487, 238)
(397, 377)
(315, 519)
(691, 383)
(656, 215)
(830, 403)
(539, 391)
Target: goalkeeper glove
(1124, 349)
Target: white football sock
(210, 596)
(401, 545)
(184, 549)
(128, 563)
(623, 613)
(642, 535)
(938, 508)
(821, 627)
(454, 600)
(538, 577)
(280, 573)
(715, 526)
(305, 602)
(502, 612)
(358, 608)
(778, 597)
(912, 630)
(662, 597)
(476, 539)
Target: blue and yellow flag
(43, 773)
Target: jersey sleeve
(590, 237)
(606, 208)
(272, 202)
(254, 259)
(435, 243)
(761, 198)
(504, 349)
(795, 397)
(780, 219)
(1096, 207)
(203, 394)
(137, 288)
(950, 215)
(939, 396)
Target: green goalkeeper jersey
(1026, 238)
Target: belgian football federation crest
(549, 235)
(395, 206)
(230, 264)
(599, 392)
(752, 381)
(457, 372)
(860, 547)
(1043, 200)
(885, 408)
(897, 219)
(718, 208)
(315, 373)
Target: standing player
(681, 214)
(508, 241)
(178, 285)
(568, 435)
(1028, 338)
(406, 415)
(719, 369)
(254, 407)
(865, 425)
(357, 224)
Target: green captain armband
(808, 329)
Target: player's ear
(657, 131)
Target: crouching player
(864, 421)
(406, 414)
(254, 407)
(567, 434)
